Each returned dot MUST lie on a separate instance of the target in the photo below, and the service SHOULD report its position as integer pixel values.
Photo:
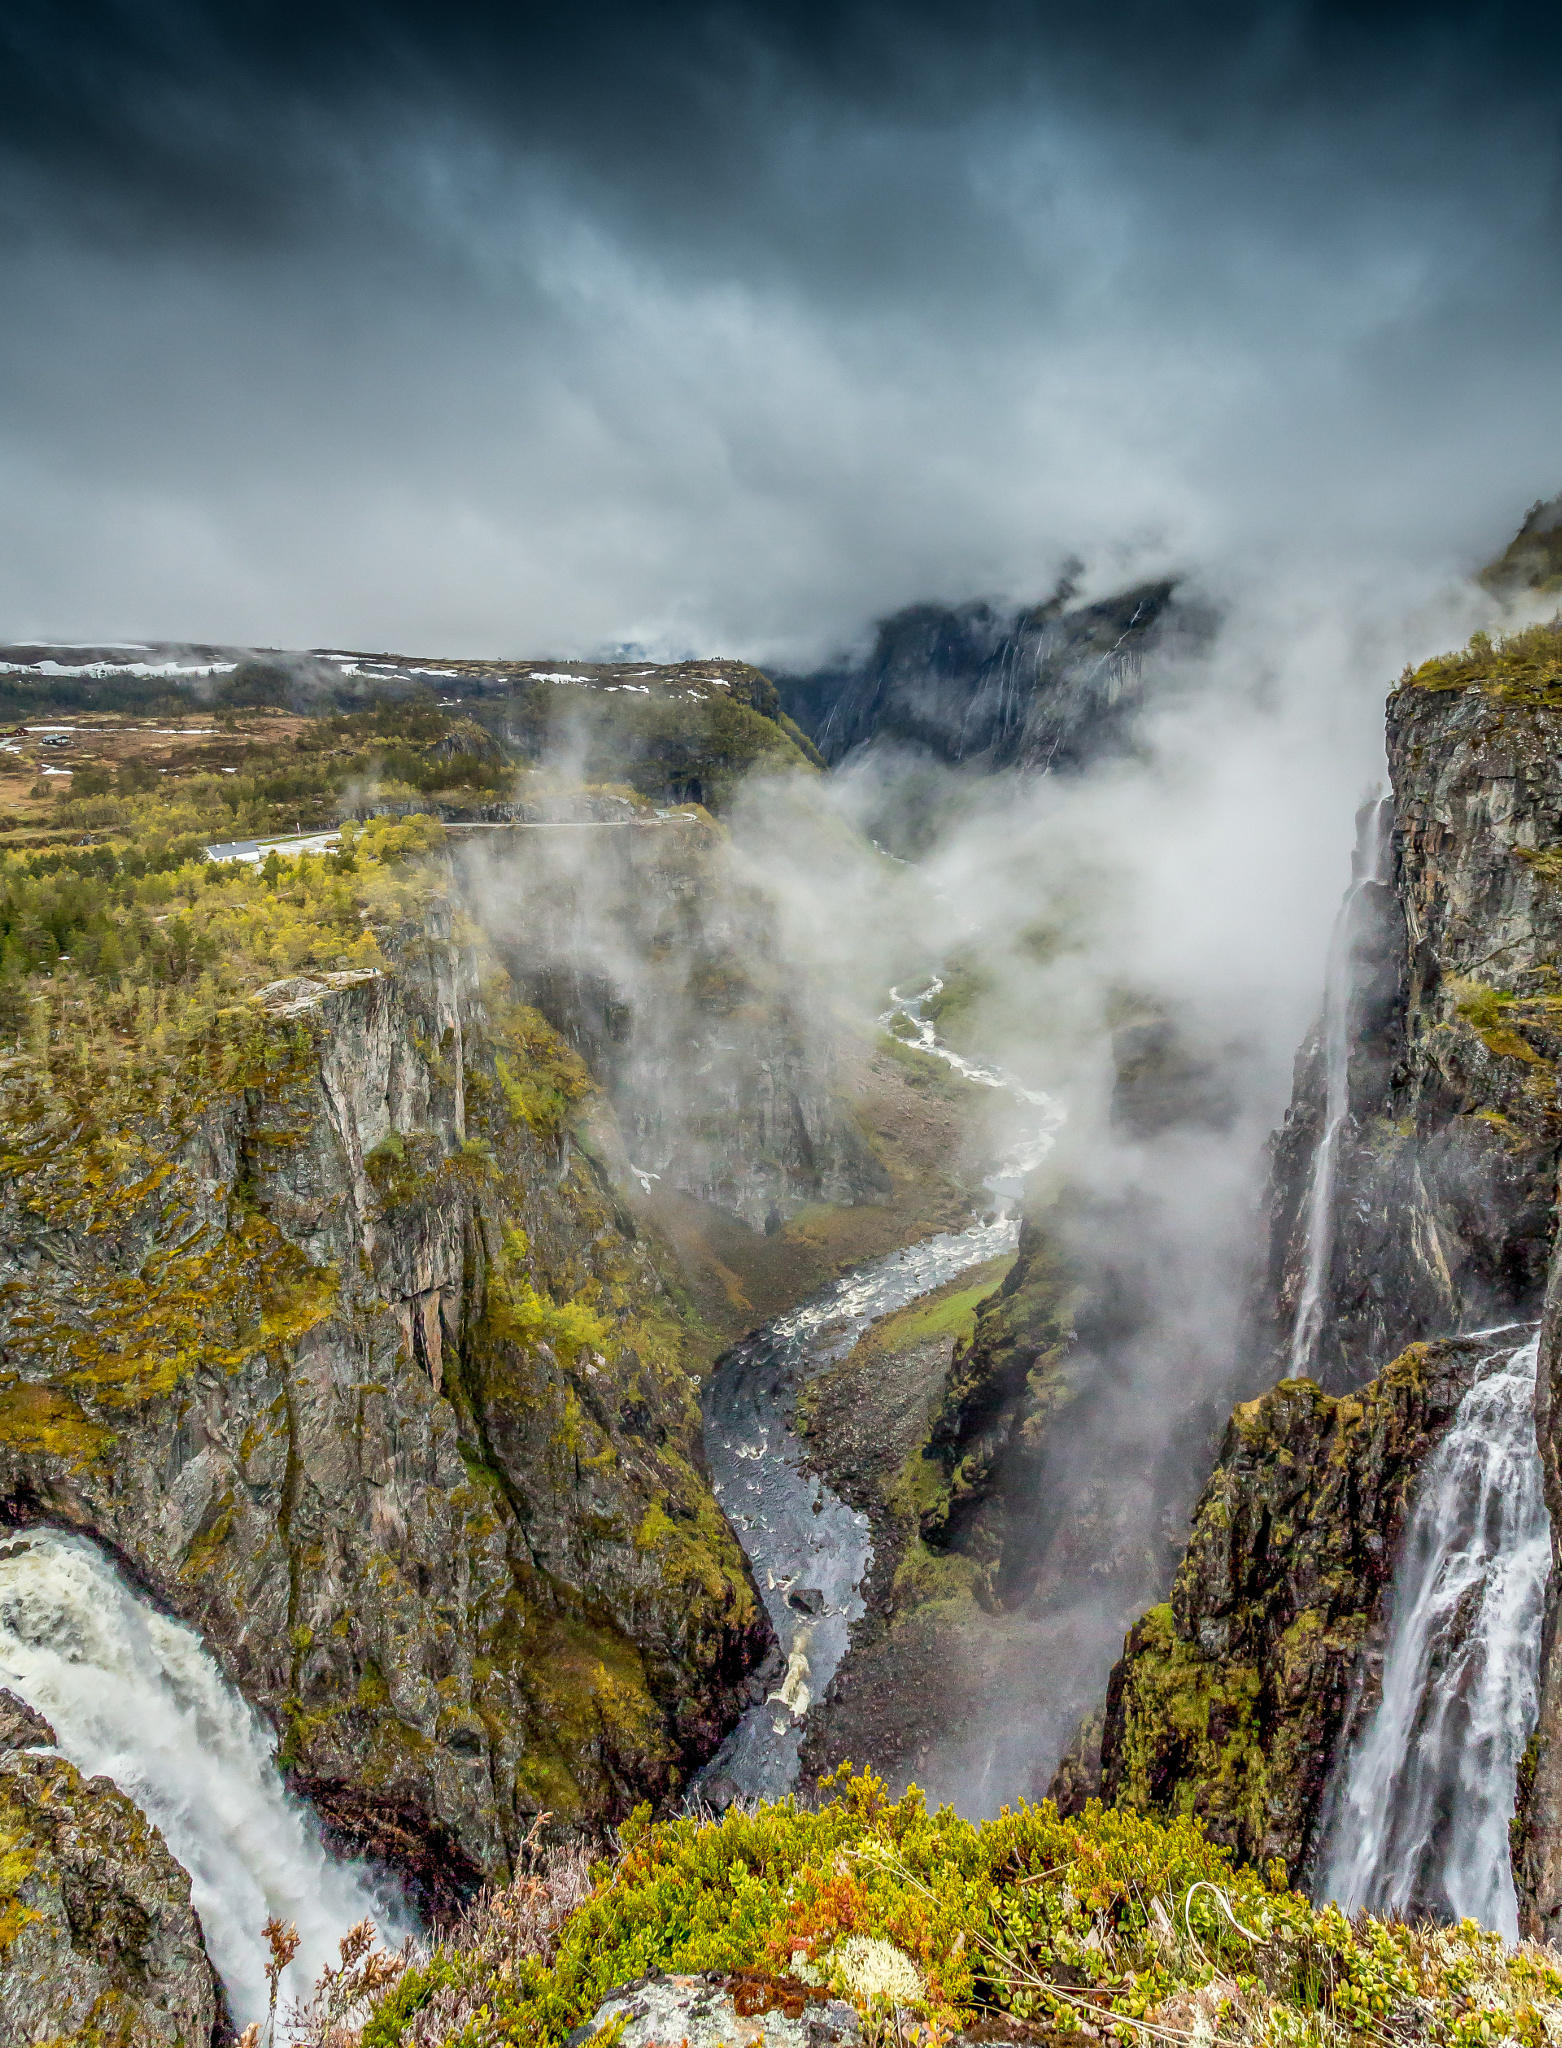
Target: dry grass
(516, 1923)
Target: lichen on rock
(98, 1940)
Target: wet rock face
(409, 1437)
(1537, 1827)
(1236, 1696)
(1447, 1169)
(20, 1726)
(98, 1938)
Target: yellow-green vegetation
(540, 1074)
(1209, 1710)
(116, 1055)
(1526, 1027)
(1522, 668)
(948, 1312)
(517, 1313)
(122, 948)
(1140, 1929)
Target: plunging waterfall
(1421, 1820)
(1375, 846)
(138, 1698)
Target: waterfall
(138, 1698)
(1372, 869)
(1420, 1824)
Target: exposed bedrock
(1537, 1831)
(1052, 685)
(1240, 1695)
(1441, 1218)
(352, 1355)
(98, 1939)
(1233, 1698)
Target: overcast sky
(728, 328)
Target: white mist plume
(1192, 881)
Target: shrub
(1142, 1929)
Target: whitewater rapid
(809, 1551)
(136, 1697)
(1420, 1820)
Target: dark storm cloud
(524, 328)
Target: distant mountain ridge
(1047, 685)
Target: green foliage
(1520, 668)
(541, 1075)
(136, 948)
(1049, 1920)
(520, 1313)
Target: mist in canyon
(1166, 906)
(744, 334)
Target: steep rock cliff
(1232, 1700)
(1047, 686)
(1442, 1211)
(334, 1328)
(1537, 1827)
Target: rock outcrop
(1233, 1699)
(1537, 1827)
(1446, 1173)
(98, 1939)
(336, 1329)
(1237, 1697)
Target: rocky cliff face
(336, 1331)
(1442, 1211)
(98, 1939)
(1234, 1698)
(1045, 687)
(1537, 1829)
(1238, 1696)
(658, 958)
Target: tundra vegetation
(1105, 1926)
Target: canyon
(561, 1348)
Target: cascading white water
(137, 1698)
(809, 1550)
(1420, 1822)
(1372, 868)
(1041, 1115)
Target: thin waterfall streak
(1420, 1821)
(1339, 990)
(138, 1698)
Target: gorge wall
(1048, 686)
(337, 1332)
(1241, 1697)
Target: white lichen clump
(870, 1968)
